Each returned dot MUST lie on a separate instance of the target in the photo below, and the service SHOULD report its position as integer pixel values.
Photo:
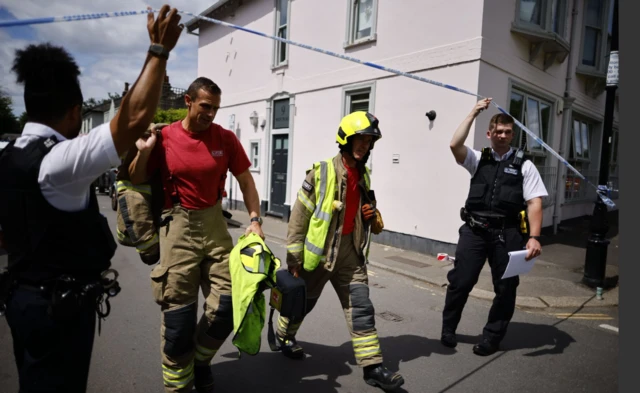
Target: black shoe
(485, 348)
(203, 379)
(290, 348)
(448, 339)
(380, 376)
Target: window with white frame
(282, 31)
(593, 41)
(359, 98)
(535, 114)
(361, 22)
(255, 155)
(543, 15)
(580, 156)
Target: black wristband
(159, 51)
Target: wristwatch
(159, 50)
(257, 219)
(535, 237)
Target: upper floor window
(545, 15)
(361, 25)
(282, 31)
(594, 28)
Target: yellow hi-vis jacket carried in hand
(253, 269)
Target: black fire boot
(290, 348)
(380, 376)
(203, 379)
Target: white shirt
(67, 171)
(532, 185)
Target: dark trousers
(51, 356)
(474, 247)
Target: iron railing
(172, 97)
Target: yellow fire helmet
(358, 123)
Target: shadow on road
(531, 336)
(319, 372)
(522, 336)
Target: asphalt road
(542, 352)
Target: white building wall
(417, 196)
(475, 50)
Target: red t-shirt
(353, 200)
(197, 162)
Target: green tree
(169, 115)
(22, 120)
(8, 122)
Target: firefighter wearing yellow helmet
(328, 240)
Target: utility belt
(488, 222)
(69, 295)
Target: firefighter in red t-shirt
(193, 157)
(329, 235)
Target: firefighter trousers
(351, 283)
(194, 253)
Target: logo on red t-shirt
(216, 153)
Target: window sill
(595, 80)
(280, 67)
(361, 41)
(554, 47)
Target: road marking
(567, 314)
(582, 316)
(426, 289)
(371, 273)
(609, 327)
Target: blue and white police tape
(71, 18)
(600, 190)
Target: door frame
(284, 131)
(269, 138)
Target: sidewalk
(549, 284)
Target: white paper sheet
(517, 264)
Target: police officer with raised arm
(504, 186)
(58, 243)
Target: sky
(109, 51)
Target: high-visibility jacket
(322, 213)
(253, 269)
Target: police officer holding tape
(503, 185)
(59, 244)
